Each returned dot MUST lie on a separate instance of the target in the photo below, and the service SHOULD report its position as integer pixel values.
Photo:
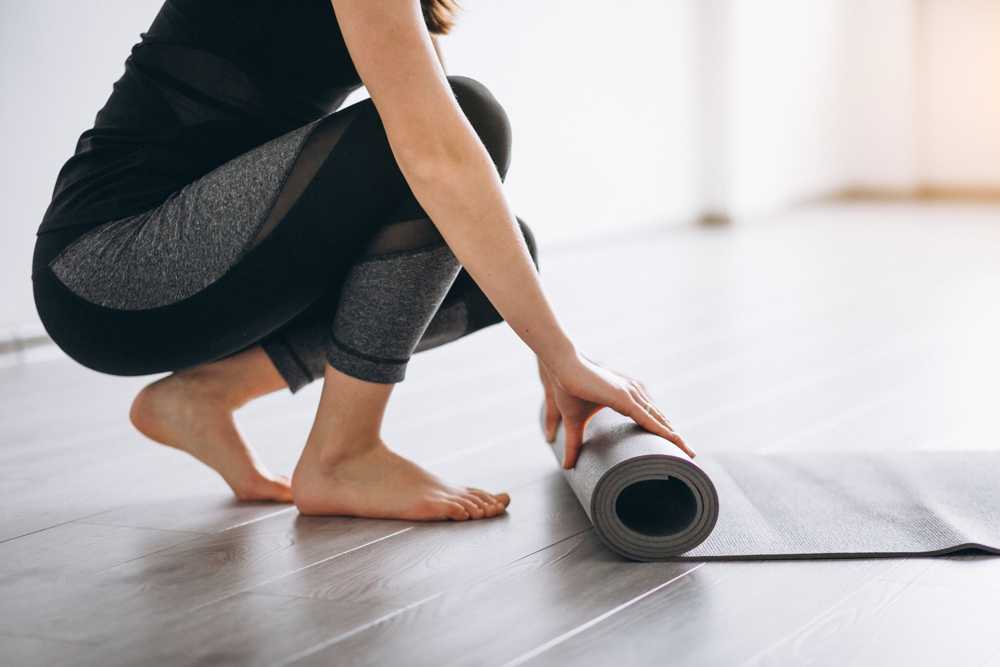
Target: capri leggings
(311, 245)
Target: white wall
(878, 128)
(601, 99)
(802, 99)
(58, 61)
(785, 102)
(959, 93)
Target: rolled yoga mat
(647, 500)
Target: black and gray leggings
(311, 245)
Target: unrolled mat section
(648, 501)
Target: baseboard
(25, 344)
(922, 193)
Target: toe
(471, 506)
(483, 500)
(276, 489)
(489, 507)
(282, 493)
(454, 510)
(501, 499)
(491, 504)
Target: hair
(439, 15)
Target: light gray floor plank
(910, 618)
(509, 612)
(157, 590)
(247, 629)
(719, 616)
(346, 591)
(75, 549)
(18, 650)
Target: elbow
(426, 162)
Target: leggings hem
(365, 367)
(288, 364)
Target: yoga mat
(647, 500)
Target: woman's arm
(446, 165)
(454, 179)
(436, 41)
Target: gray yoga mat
(648, 501)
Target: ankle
(206, 384)
(334, 452)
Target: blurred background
(781, 215)
(633, 114)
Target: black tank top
(208, 81)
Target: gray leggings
(392, 285)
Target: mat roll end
(645, 501)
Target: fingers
(646, 399)
(552, 416)
(574, 442)
(648, 416)
(552, 419)
(645, 418)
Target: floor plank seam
(305, 653)
(55, 525)
(549, 546)
(257, 519)
(555, 641)
(301, 569)
(179, 531)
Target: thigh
(170, 252)
(258, 294)
(206, 283)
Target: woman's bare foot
(375, 482)
(192, 411)
(346, 469)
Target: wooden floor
(851, 327)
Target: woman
(224, 221)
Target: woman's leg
(192, 410)
(347, 469)
(299, 349)
(327, 224)
(385, 304)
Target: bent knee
(487, 117)
(530, 241)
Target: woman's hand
(581, 388)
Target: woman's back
(207, 82)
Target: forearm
(440, 53)
(459, 188)
(446, 165)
